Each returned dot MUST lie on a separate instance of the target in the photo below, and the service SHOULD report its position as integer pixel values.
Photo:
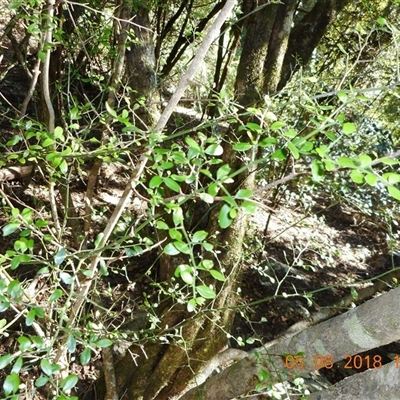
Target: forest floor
(295, 262)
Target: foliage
(327, 139)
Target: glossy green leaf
(66, 278)
(85, 356)
(187, 277)
(104, 343)
(155, 181)
(11, 383)
(391, 178)
(241, 146)
(249, 207)
(30, 318)
(46, 366)
(199, 236)
(224, 219)
(394, 192)
(277, 125)
(317, 171)
(205, 291)
(55, 295)
(41, 381)
(223, 171)
(5, 360)
(60, 256)
(217, 275)
(17, 365)
(269, 141)
(214, 149)
(71, 344)
(10, 228)
(177, 216)
(243, 194)
(191, 305)
(162, 225)
(357, 176)
(173, 185)
(365, 159)
(207, 198)
(69, 382)
(349, 128)
(294, 150)
(171, 250)
(175, 234)
(346, 162)
(182, 247)
(24, 343)
(371, 179)
(192, 143)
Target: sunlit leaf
(205, 292)
(243, 194)
(85, 356)
(199, 236)
(357, 176)
(348, 128)
(224, 219)
(11, 383)
(217, 275)
(394, 192)
(69, 382)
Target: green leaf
(175, 234)
(187, 277)
(249, 207)
(388, 161)
(365, 160)
(55, 295)
(207, 198)
(66, 278)
(173, 185)
(346, 162)
(279, 154)
(242, 146)
(155, 181)
(30, 318)
(85, 356)
(277, 125)
(371, 179)
(224, 219)
(60, 256)
(206, 264)
(199, 236)
(217, 275)
(177, 216)
(394, 192)
(17, 365)
(391, 178)
(206, 292)
(48, 142)
(110, 110)
(243, 194)
(214, 150)
(191, 305)
(294, 150)
(46, 366)
(223, 171)
(192, 144)
(5, 360)
(317, 171)
(213, 189)
(182, 247)
(10, 228)
(349, 128)
(171, 250)
(71, 344)
(11, 383)
(253, 126)
(357, 176)
(162, 225)
(269, 141)
(41, 381)
(69, 382)
(104, 342)
(24, 343)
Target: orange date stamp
(351, 362)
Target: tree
(115, 86)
